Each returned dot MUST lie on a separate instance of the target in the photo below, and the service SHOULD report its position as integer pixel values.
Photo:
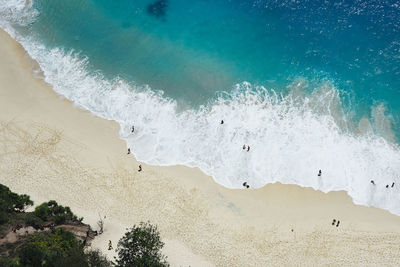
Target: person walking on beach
(140, 168)
(129, 151)
(110, 245)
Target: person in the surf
(248, 148)
(319, 173)
(129, 151)
(222, 121)
(244, 147)
(392, 184)
(372, 182)
(133, 129)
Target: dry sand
(50, 149)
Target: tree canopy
(12, 202)
(51, 211)
(141, 247)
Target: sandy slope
(53, 150)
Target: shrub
(34, 221)
(141, 246)
(51, 249)
(9, 262)
(95, 258)
(3, 217)
(12, 202)
(51, 211)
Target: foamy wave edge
(291, 137)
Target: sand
(51, 149)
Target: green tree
(141, 247)
(50, 249)
(9, 262)
(12, 202)
(95, 258)
(51, 211)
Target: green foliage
(51, 211)
(3, 217)
(49, 249)
(34, 221)
(9, 262)
(95, 258)
(12, 202)
(141, 247)
(56, 248)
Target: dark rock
(158, 8)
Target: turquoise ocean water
(308, 85)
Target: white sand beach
(51, 149)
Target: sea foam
(291, 136)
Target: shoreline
(51, 149)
